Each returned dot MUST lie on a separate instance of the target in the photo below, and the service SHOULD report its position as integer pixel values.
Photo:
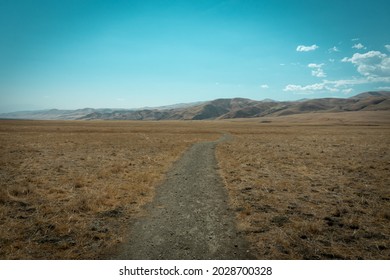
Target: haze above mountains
(218, 109)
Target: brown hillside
(221, 109)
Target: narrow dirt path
(189, 218)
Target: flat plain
(312, 186)
(68, 189)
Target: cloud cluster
(302, 48)
(331, 86)
(343, 86)
(371, 64)
(374, 67)
(317, 70)
(308, 88)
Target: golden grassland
(315, 191)
(302, 187)
(68, 189)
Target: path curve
(189, 217)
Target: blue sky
(126, 54)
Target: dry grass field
(314, 191)
(302, 187)
(68, 189)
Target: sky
(128, 54)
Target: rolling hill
(219, 109)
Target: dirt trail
(189, 218)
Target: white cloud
(383, 88)
(371, 64)
(310, 89)
(302, 48)
(379, 79)
(264, 86)
(355, 39)
(352, 82)
(307, 89)
(319, 73)
(334, 86)
(317, 70)
(358, 46)
(334, 49)
(346, 83)
(387, 47)
(347, 91)
(313, 65)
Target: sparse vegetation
(310, 192)
(68, 189)
(302, 187)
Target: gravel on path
(189, 217)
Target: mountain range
(218, 109)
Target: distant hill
(219, 109)
(372, 94)
(53, 114)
